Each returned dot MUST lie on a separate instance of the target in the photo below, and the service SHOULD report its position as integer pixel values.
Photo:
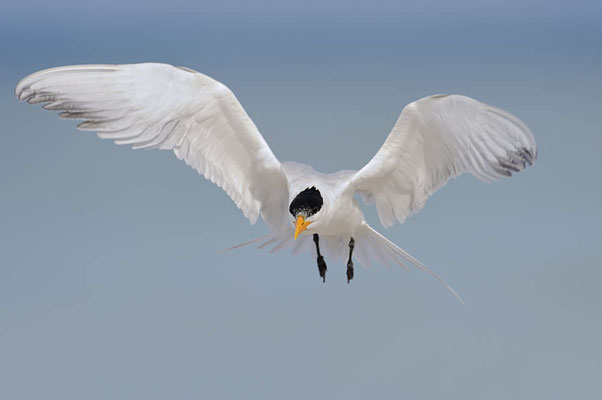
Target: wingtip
(19, 90)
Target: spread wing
(435, 139)
(161, 106)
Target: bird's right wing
(160, 106)
(435, 139)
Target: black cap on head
(307, 202)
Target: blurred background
(112, 283)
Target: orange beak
(302, 225)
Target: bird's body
(173, 108)
(340, 215)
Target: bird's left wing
(160, 106)
(435, 139)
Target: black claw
(322, 268)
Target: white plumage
(160, 106)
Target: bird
(160, 106)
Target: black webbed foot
(350, 262)
(349, 271)
(322, 268)
(321, 263)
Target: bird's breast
(341, 218)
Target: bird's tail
(248, 243)
(277, 242)
(371, 246)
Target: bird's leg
(350, 262)
(321, 262)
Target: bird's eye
(315, 210)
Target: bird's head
(306, 204)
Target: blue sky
(111, 280)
